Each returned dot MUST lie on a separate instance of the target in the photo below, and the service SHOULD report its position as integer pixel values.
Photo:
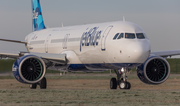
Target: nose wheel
(124, 85)
(121, 80)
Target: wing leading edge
(58, 58)
(15, 41)
(166, 53)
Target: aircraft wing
(10, 54)
(58, 58)
(55, 58)
(16, 41)
(166, 53)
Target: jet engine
(155, 70)
(29, 69)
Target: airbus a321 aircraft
(115, 46)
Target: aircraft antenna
(124, 18)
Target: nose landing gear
(121, 80)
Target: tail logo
(35, 14)
(38, 23)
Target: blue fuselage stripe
(103, 66)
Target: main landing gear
(121, 80)
(42, 84)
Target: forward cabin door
(103, 40)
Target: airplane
(117, 46)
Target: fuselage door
(65, 41)
(46, 43)
(103, 40)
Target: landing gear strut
(121, 80)
(42, 84)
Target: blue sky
(160, 19)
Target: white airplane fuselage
(93, 45)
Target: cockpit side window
(121, 36)
(129, 35)
(115, 36)
(140, 35)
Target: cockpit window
(121, 36)
(115, 36)
(129, 35)
(145, 36)
(140, 35)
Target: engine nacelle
(155, 70)
(29, 69)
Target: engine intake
(29, 69)
(155, 70)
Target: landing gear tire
(121, 80)
(113, 83)
(43, 83)
(122, 85)
(33, 86)
(128, 85)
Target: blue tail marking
(38, 23)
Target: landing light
(122, 70)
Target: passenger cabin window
(140, 35)
(129, 35)
(115, 36)
(121, 36)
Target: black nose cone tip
(30, 69)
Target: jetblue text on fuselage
(90, 38)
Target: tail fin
(38, 23)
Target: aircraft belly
(101, 66)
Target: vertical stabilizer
(38, 23)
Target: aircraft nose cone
(138, 52)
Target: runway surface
(89, 90)
(93, 81)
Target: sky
(160, 19)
